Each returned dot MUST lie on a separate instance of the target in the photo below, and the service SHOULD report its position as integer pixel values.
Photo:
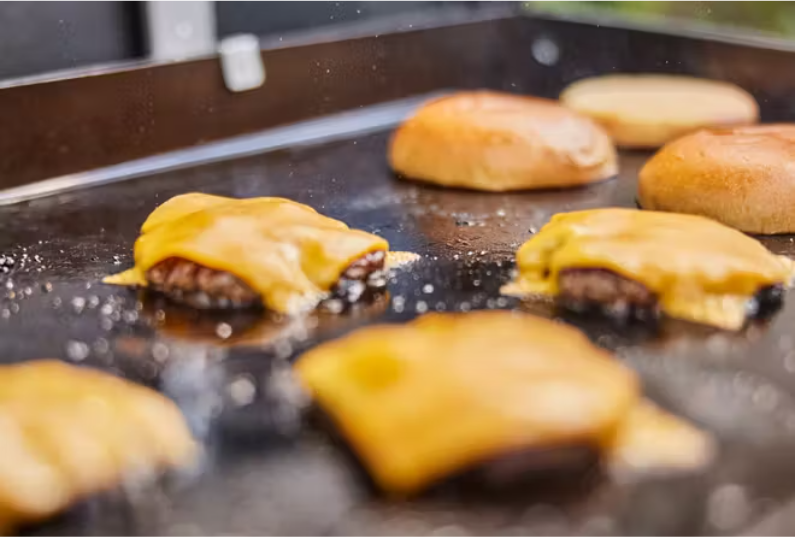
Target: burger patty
(202, 287)
(584, 289)
(620, 297)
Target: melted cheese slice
(425, 400)
(70, 432)
(701, 270)
(286, 251)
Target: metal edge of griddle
(322, 130)
(107, 116)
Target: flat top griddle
(267, 472)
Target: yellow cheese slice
(425, 400)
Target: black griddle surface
(267, 473)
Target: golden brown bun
(497, 142)
(650, 110)
(743, 177)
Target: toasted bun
(498, 142)
(650, 110)
(743, 177)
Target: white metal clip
(241, 62)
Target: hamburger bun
(647, 111)
(499, 142)
(742, 177)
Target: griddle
(267, 471)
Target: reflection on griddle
(252, 328)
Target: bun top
(741, 176)
(649, 110)
(499, 117)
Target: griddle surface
(265, 472)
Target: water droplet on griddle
(9, 284)
(56, 302)
(398, 303)
(5, 314)
(440, 306)
(14, 308)
(421, 306)
(93, 302)
(427, 288)
(27, 291)
(106, 324)
(130, 316)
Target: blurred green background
(771, 18)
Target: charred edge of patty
(201, 287)
(605, 292)
(767, 301)
(561, 468)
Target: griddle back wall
(68, 126)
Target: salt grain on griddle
(242, 390)
(160, 352)
(77, 351)
(223, 330)
(78, 303)
(101, 346)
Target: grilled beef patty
(205, 288)
(583, 290)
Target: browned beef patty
(584, 289)
(201, 287)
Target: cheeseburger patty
(202, 287)
(585, 289)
